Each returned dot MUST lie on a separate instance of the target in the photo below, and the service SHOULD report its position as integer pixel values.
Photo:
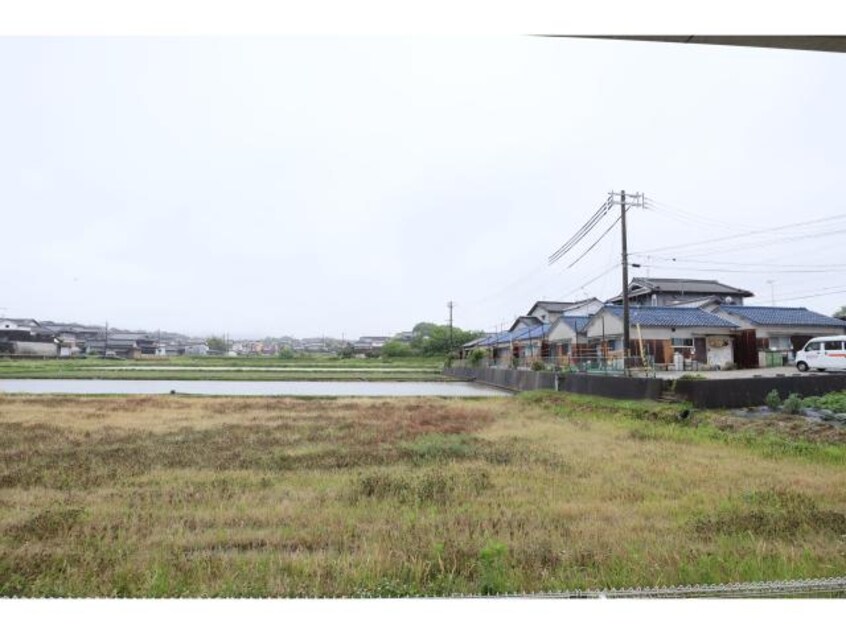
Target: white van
(822, 353)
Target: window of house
(780, 343)
(833, 345)
(682, 343)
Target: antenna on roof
(772, 291)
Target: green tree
(217, 344)
(841, 313)
(396, 349)
(423, 329)
(437, 341)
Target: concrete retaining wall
(593, 384)
(518, 380)
(704, 394)
(611, 386)
(725, 393)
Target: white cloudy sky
(308, 186)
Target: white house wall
(561, 332)
(613, 326)
(38, 348)
(787, 331)
(585, 310)
(540, 313)
(764, 332)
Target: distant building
(196, 349)
(122, 344)
(26, 337)
(369, 345)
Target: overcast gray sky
(354, 186)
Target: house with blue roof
(567, 338)
(664, 332)
(767, 334)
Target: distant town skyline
(309, 186)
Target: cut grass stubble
(188, 496)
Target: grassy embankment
(311, 368)
(192, 496)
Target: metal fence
(632, 366)
(831, 587)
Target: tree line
(430, 340)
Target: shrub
(691, 377)
(396, 349)
(773, 400)
(476, 357)
(538, 366)
(793, 404)
(492, 560)
(835, 401)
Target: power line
(746, 246)
(594, 279)
(747, 234)
(767, 271)
(840, 289)
(602, 274)
(686, 216)
(581, 233)
(598, 240)
(823, 265)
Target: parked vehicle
(822, 353)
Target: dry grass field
(207, 496)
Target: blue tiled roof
(522, 334)
(578, 324)
(531, 333)
(781, 316)
(671, 316)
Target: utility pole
(635, 201)
(106, 341)
(450, 305)
(625, 280)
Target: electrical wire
(743, 235)
(837, 290)
(751, 272)
(823, 265)
(687, 217)
(581, 233)
(744, 246)
(598, 240)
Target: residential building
(655, 291)
(770, 335)
(568, 339)
(666, 333)
(547, 312)
(196, 348)
(27, 337)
